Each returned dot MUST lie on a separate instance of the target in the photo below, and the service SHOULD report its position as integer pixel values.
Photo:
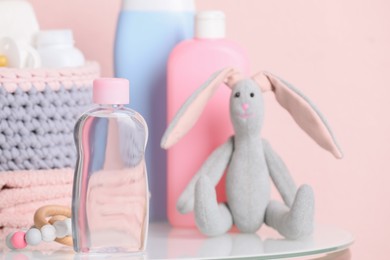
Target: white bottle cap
(159, 5)
(54, 37)
(210, 25)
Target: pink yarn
(33, 178)
(22, 192)
(11, 79)
(19, 196)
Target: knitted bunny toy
(249, 160)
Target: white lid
(158, 5)
(210, 25)
(54, 37)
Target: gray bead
(33, 237)
(60, 227)
(8, 240)
(68, 222)
(48, 233)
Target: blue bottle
(147, 31)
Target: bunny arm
(280, 174)
(214, 167)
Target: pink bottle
(190, 64)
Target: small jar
(56, 48)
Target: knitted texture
(38, 115)
(23, 192)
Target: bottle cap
(210, 25)
(54, 37)
(111, 91)
(159, 5)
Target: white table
(165, 242)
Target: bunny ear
(303, 111)
(191, 110)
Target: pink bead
(18, 241)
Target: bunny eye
(252, 94)
(237, 95)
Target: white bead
(68, 222)
(33, 237)
(60, 227)
(8, 240)
(48, 233)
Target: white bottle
(56, 48)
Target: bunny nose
(245, 106)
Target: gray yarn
(36, 127)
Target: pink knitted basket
(38, 110)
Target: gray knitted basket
(38, 110)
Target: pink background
(337, 52)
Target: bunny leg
(213, 168)
(296, 222)
(211, 218)
(280, 174)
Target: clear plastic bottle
(110, 207)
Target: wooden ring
(55, 213)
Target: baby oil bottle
(110, 207)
